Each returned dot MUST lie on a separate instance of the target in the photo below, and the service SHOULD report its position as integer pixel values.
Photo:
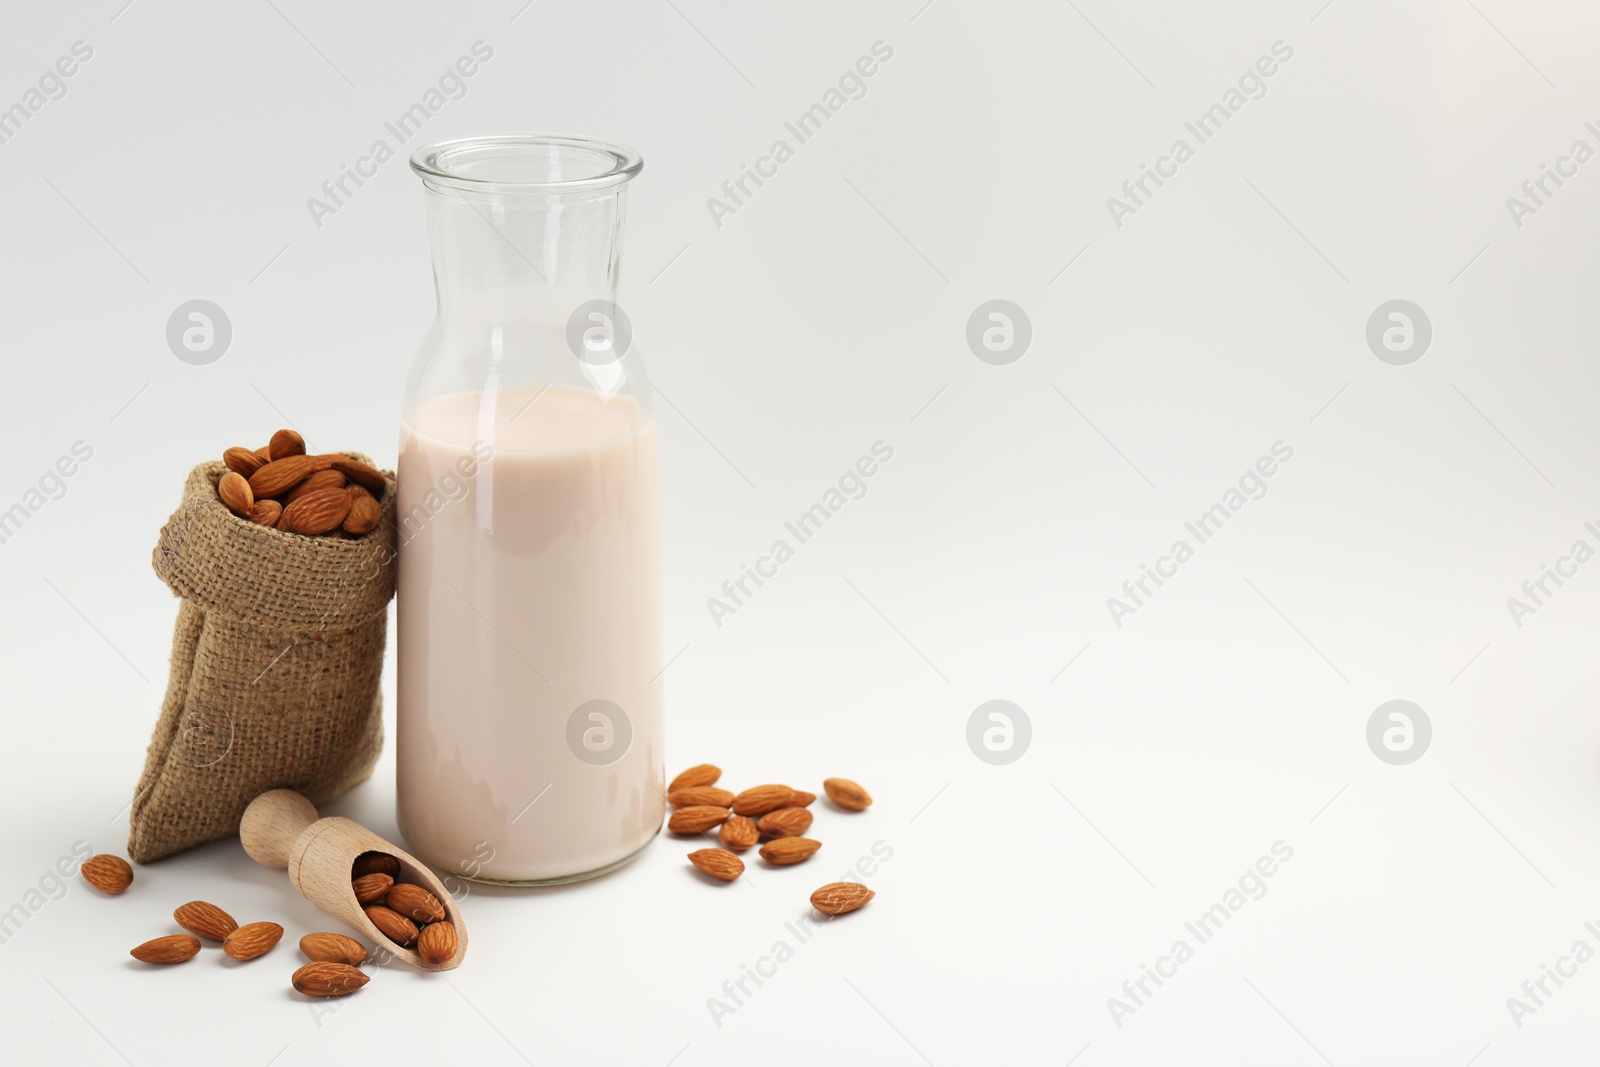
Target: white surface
(1222, 317)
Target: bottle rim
(445, 162)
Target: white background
(1167, 754)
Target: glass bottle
(529, 637)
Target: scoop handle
(271, 824)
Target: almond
(785, 822)
(235, 493)
(286, 443)
(375, 863)
(333, 948)
(696, 820)
(415, 903)
(318, 480)
(252, 940)
(205, 920)
(371, 888)
(437, 942)
(324, 979)
(391, 924)
(281, 475)
(365, 512)
(846, 794)
(701, 774)
(367, 477)
(762, 799)
(243, 461)
(802, 799)
(174, 948)
(317, 512)
(836, 898)
(718, 863)
(266, 512)
(786, 850)
(264, 454)
(700, 795)
(739, 833)
(107, 873)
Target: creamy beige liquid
(529, 587)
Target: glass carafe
(529, 637)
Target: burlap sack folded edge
(208, 553)
(244, 585)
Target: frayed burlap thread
(276, 660)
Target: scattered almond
(785, 822)
(107, 873)
(698, 795)
(846, 794)
(802, 799)
(372, 888)
(739, 833)
(697, 819)
(375, 863)
(701, 774)
(836, 898)
(391, 924)
(235, 493)
(437, 942)
(333, 948)
(174, 948)
(252, 940)
(787, 850)
(415, 903)
(762, 799)
(205, 920)
(718, 863)
(325, 979)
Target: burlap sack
(276, 659)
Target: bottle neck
(536, 256)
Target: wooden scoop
(281, 829)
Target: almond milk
(529, 636)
